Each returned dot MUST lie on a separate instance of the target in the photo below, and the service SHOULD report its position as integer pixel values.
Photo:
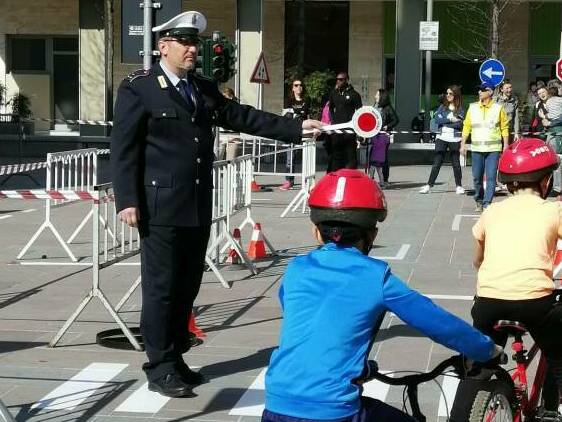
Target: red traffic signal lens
(218, 49)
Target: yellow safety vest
(486, 133)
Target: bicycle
(411, 382)
(507, 396)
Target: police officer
(161, 161)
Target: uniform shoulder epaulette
(137, 74)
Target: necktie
(186, 92)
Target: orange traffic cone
(257, 244)
(193, 328)
(233, 257)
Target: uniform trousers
(172, 263)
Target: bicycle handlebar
(457, 362)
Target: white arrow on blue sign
(492, 71)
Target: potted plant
(21, 106)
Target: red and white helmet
(527, 160)
(347, 196)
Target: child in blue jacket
(332, 299)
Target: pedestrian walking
(343, 101)
(449, 119)
(389, 122)
(296, 107)
(487, 125)
(377, 156)
(161, 162)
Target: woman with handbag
(448, 118)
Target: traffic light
(216, 58)
(230, 59)
(218, 62)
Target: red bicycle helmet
(347, 196)
(527, 160)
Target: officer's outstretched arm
(441, 326)
(129, 124)
(244, 118)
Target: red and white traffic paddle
(366, 122)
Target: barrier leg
(217, 273)
(238, 248)
(119, 321)
(80, 227)
(293, 205)
(57, 235)
(72, 318)
(5, 414)
(127, 295)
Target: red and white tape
(48, 194)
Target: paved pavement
(426, 239)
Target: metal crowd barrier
(67, 170)
(308, 178)
(112, 242)
(5, 414)
(232, 195)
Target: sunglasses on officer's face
(185, 41)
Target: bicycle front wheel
(494, 405)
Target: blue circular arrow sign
(492, 71)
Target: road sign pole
(429, 17)
(147, 35)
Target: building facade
(59, 55)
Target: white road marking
(81, 386)
(2, 217)
(377, 389)
(29, 210)
(450, 385)
(457, 220)
(143, 401)
(402, 252)
(252, 401)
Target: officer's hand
(517, 137)
(463, 150)
(130, 216)
(314, 125)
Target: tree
(484, 23)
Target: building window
(27, 54)
(317, 35)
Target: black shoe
(190, 377)
(171, 385)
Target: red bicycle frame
(527, 404)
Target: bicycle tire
(498, 397)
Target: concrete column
(366, 48)
(249, 48)
(92, 63)
(514, 47)
(407, 82)
(274, 46)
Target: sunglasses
(297, 84)
(450, 93)
(185, 41)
